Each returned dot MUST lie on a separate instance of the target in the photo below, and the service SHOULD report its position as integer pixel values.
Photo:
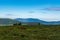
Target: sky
(48, 10)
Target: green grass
(25, 32)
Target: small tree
(14, 24)
(17, 23)
(38, 23)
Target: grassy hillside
(39, 32)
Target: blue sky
(48, 10)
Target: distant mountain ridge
(38, 20)
(7, 21)
(27, 20)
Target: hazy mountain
(37, 20)
(27, 20)
(7, 21)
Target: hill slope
(39, 21)
(39, 32)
